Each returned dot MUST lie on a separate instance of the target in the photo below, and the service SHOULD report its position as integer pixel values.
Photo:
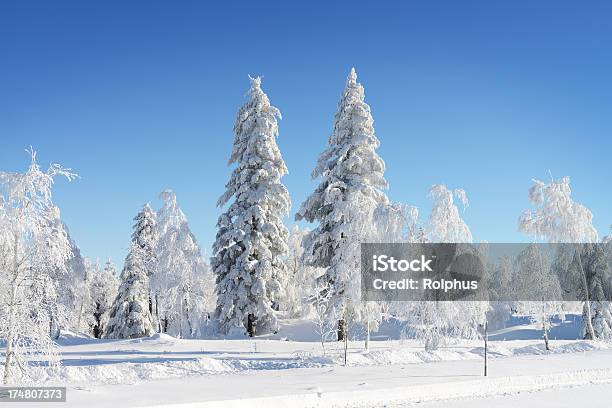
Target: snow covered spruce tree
(145, 236)
(130, 315)
(33, 248)
(352, 180)
(103, 285)
(72, 293)
(182, 284)
(251, 243)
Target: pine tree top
(352, 77)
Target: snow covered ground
(287, 370)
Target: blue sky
(141, 96)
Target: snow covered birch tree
(351, 187)
(33, 246)
(557, 218)
(434, 321)
(444, 223)
(537, 281)
(251, 242)
(300, 282)
(591, 264)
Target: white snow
(279, 370)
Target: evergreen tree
(72, 292)
(145, 236)
(182, 283)
(129, 316)
(251, 240)
(103, 285)
(352, 180)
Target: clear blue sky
(140, 96)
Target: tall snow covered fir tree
(145, 235)
(103, 286)
(352, 180)
(251, 240)
(130, 315)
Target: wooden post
(341, 329)
(345, 347)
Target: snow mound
(160, 336)
(132, 373)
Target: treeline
(259, 270)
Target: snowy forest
(265, 269)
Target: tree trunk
(544, 329)
(97, 329)
(11, 335)
(10, 338)
(251, 325)
(181, 317)
(590, 333)
(341, 329)
(189, 328)
(323, 343)
(157, 318)
(165, 324)
(367, 339)
(486, 338)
